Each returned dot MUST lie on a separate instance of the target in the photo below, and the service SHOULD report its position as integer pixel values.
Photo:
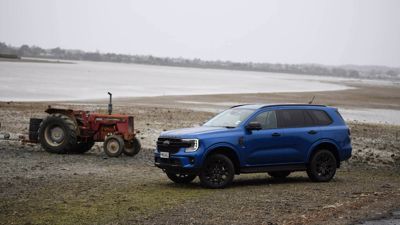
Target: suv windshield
(229, 118)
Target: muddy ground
(41, 188)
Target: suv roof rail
(265, 106)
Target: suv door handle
(276, 134)
(312, 132)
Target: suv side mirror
(254, 126)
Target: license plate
(164, 155)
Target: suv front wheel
(322, 166)
(218, 171)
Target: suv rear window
(320, 117)
(302, 118)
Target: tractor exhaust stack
(110, 104)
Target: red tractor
(76, 131)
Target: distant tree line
(352, 71)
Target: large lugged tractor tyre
(132, 147)
(57, 133)
(82, 147)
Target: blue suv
(278, 139)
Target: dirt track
(41, 188)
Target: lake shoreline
(33, 60)
(356, 104)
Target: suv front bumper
(176, 163)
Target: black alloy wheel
(322, 166)
(218, 171)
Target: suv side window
(267, 120)
(294, 118)
(302, 118)
(321, 118)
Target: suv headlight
(194, 145)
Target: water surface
(22, 81)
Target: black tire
(218, 171)
(132, 147)
(57, 133)
(34, 125)
(322, 166)
(113, 145)
(279, 174)
(181, 178)
(82, 147)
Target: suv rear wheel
(218, 171)
(181, 178)
(322, 166)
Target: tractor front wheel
(132, 147)
(113, 145)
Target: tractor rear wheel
(113, 145)
(132, 147)
(82, 147)
(57, 133)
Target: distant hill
(350, 71)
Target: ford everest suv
(278, 139)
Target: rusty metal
(90, 127)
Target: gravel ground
(41, 188)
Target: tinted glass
(320, 117)
(308, 118)
(291, 118)
(302, 118)
(267, 120)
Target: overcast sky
(329, 32)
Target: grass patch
(52, 205)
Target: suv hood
(192, 132)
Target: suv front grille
(171, 145)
